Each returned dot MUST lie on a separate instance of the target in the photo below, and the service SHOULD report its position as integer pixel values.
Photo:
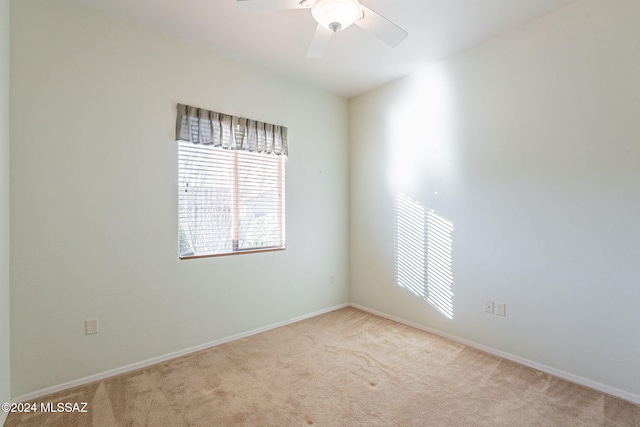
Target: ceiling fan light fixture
(336, 15)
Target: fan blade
(381, 27)
(273, 4)
(319, 43)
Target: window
(230, 200)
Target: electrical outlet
(488, 306)
(501, 309)
(91, 326)
(332, 279)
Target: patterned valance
(202, 126)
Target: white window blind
(231, 200)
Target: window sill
(248, 251)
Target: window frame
(236, 194)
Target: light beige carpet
(344, 368)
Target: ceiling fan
(333, 16)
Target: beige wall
(4, 202)
(94, 199)
(528, 144)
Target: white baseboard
(143, 364)
(633, 398)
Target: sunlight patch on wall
(439, 263)
(411, 245)
(424, 254)
(420, 131)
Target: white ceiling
(356, 61)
